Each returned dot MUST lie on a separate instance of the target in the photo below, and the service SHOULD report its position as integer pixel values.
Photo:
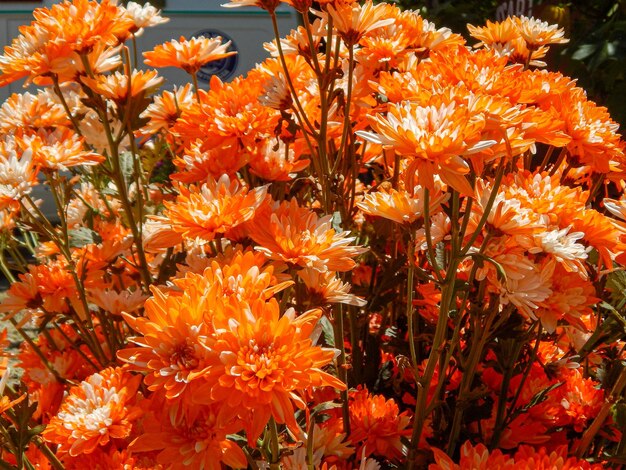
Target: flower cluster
(382, 247)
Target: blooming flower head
(188, 54)
(377, 425)
(433, 136)
(195, 441)
(99, 409)
(116, 87)
(400, 206)
(353, 20)
(173, 349)
(17, 175)
(263, 362)
(214, 208)
(326, 287)
(298, 236)
(473, 458)
(143, 16)
(539, 33)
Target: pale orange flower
(166, 109)
(539, 33)
(401, 206)
(323, 288)
(296, 235)
(59, 149)
(98, 410)
(352, 20)
(143, 16)
(214, 208)
(116, 87)
(188, 54)
(434, 136)
(32, 112)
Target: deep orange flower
(214, 208)
(196, 441)
(262, 363)
(174, 348)
(529, 457)
(297, 236)
(188, 54)
(473, 458)
(377, 426)
(98, 410)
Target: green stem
(274, 445)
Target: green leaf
(336, 222)
(619, 415)
(328, 331)
(83, 236)
(584, 51)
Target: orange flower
(434, 136)
(116, 87)
(166, 109)
(528, 457)
(214, 208)
(196, 441)
(98, 410)
(474, 458)
(377, 426)
(539, 33)
(174, 349)
(324, 288)
(59, 149)
(401, 207)
(262, 361)
(188, 54)
(59, 34)
(353, 20)
(297, 236)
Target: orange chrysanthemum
(196, 441)
(473, 458)
(214, 208)
(352, 20)
(188, 54)
(98, 410)
(298, 236)
(174, 349)
(116, 87)
(434, 136)
(377, 425)
(262, 362)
